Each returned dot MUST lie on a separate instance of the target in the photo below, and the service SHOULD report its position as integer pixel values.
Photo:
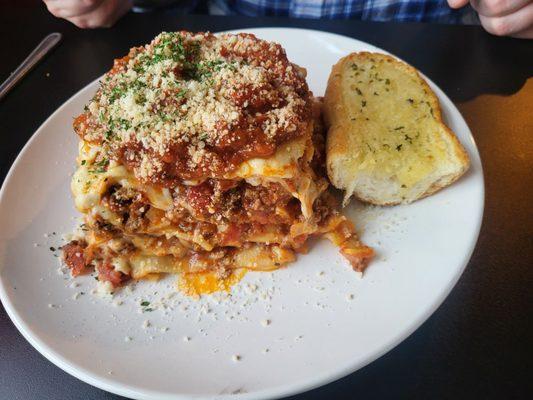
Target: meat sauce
(241, 202)
(243, 209)
(80, 261)
(73, 255)
(231, 144)
(106, 272)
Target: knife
(47, 44)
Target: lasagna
(202, 153)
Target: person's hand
(503, 17)
(89, 13)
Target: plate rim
(288, 389)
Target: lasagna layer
(118, 257)
(202, 154)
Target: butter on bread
(387, 143)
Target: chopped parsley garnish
(145, 303)
(111, 123)
(205, 69)
(124, 123)
(101, 166)
(140, 99)
(139, 68)
(83, 162)
(164, 116)
(171, 47)
(117, 92)
(138, 84)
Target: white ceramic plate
(325, 322)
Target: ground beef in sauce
(106, 272)
(129, 204)
(74, 258)
(239, 202)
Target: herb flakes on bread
(387, 143)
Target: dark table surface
(478, 343)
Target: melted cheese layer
(88, 186)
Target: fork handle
(35, 56)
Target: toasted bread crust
(336, 115)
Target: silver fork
(35, 56)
